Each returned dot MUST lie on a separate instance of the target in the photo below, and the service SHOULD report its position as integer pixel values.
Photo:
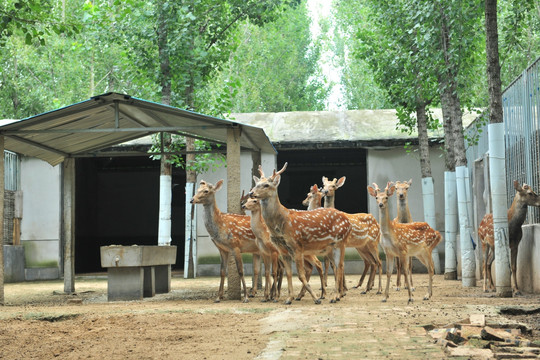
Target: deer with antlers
(404, 240)
(524, 197)
(231, 233)
(403, 216)
(297, 233)
(365, 235)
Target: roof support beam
(38, 145)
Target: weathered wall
(40, 225)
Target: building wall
(40, 225)
(205, 246)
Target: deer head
(402, 187)
(313, 198)
(206, 193)
(251, 204)
(266, 187)
(525, 195)
(382, 196)
(330, 187)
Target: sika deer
(229, 232)
(364, 237)
(404, 240)
(403, 216)
(316, 232)
(516, 216)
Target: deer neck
(212, 218)
(329, 201)
(516, 214)
(257, 223)
(403, 213)
(274, 215)
(384, 220)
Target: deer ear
(256, 179)
(390, 191)
(371, 191)
(218, 185)
(276, 180)
(324, 180)
(516, 185)
(409, 182)
(341, 181)
(314, 188)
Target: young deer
(404, 240)
(516, 216)
(269, 252)
(296, 232)
(314, 198)
(364, 237)
(403, 216)
(231, 233)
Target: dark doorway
(117, 203)
(307, 167)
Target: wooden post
(2, 172)
(68, 230)
(233, 203)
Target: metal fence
(11, 171)
(521, 100)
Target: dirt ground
(38, 321)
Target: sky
(319, 9)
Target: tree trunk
(497, 154)
(191, 178)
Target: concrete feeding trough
(135, 272)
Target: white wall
(40, 225)
(205, 246)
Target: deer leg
(404, 260)
(256, 270)
(299, 259)
(410, 273)
(389, 270)
(223, 270)
(379, 267)
(490, 259)
(398, 272)
(267, 264)
(273, 291)
(513, 264)
(309, 268)
(339, 258)
(319, 267)
(240, 268)
(327, 263)
(486, 253)
(287, 262)
(427, 260)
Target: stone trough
(135, 272)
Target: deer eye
(206, 191)
(266, 185)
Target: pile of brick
(474, 338)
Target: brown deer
(404, 240)
(314, 198)
(231, 233)
(524, 197)
(364, 237)
(403, 216)
(296, 232)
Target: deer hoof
(217, 301)
(288, 302)
(517, 293)
(398, 289)
(383, 300)
(246, 300)
(317, 301)
(364, 292)
(426, 297)
(410, 301)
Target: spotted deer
(231, 233)
(298, 233)
(524, 197)
(404, 240)
(364, 237)
(403, 216)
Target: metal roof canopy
(85, 128)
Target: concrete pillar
(233, 203)
(68, 228)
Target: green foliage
(291, 77)
(203, 161)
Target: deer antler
(376, 187)
(261, 172)
(280, 171)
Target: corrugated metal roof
(82, 129)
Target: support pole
(68, 230)
(233, 203)
(428, 195)
(498, 200)
(468, 259)
(451, 226)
